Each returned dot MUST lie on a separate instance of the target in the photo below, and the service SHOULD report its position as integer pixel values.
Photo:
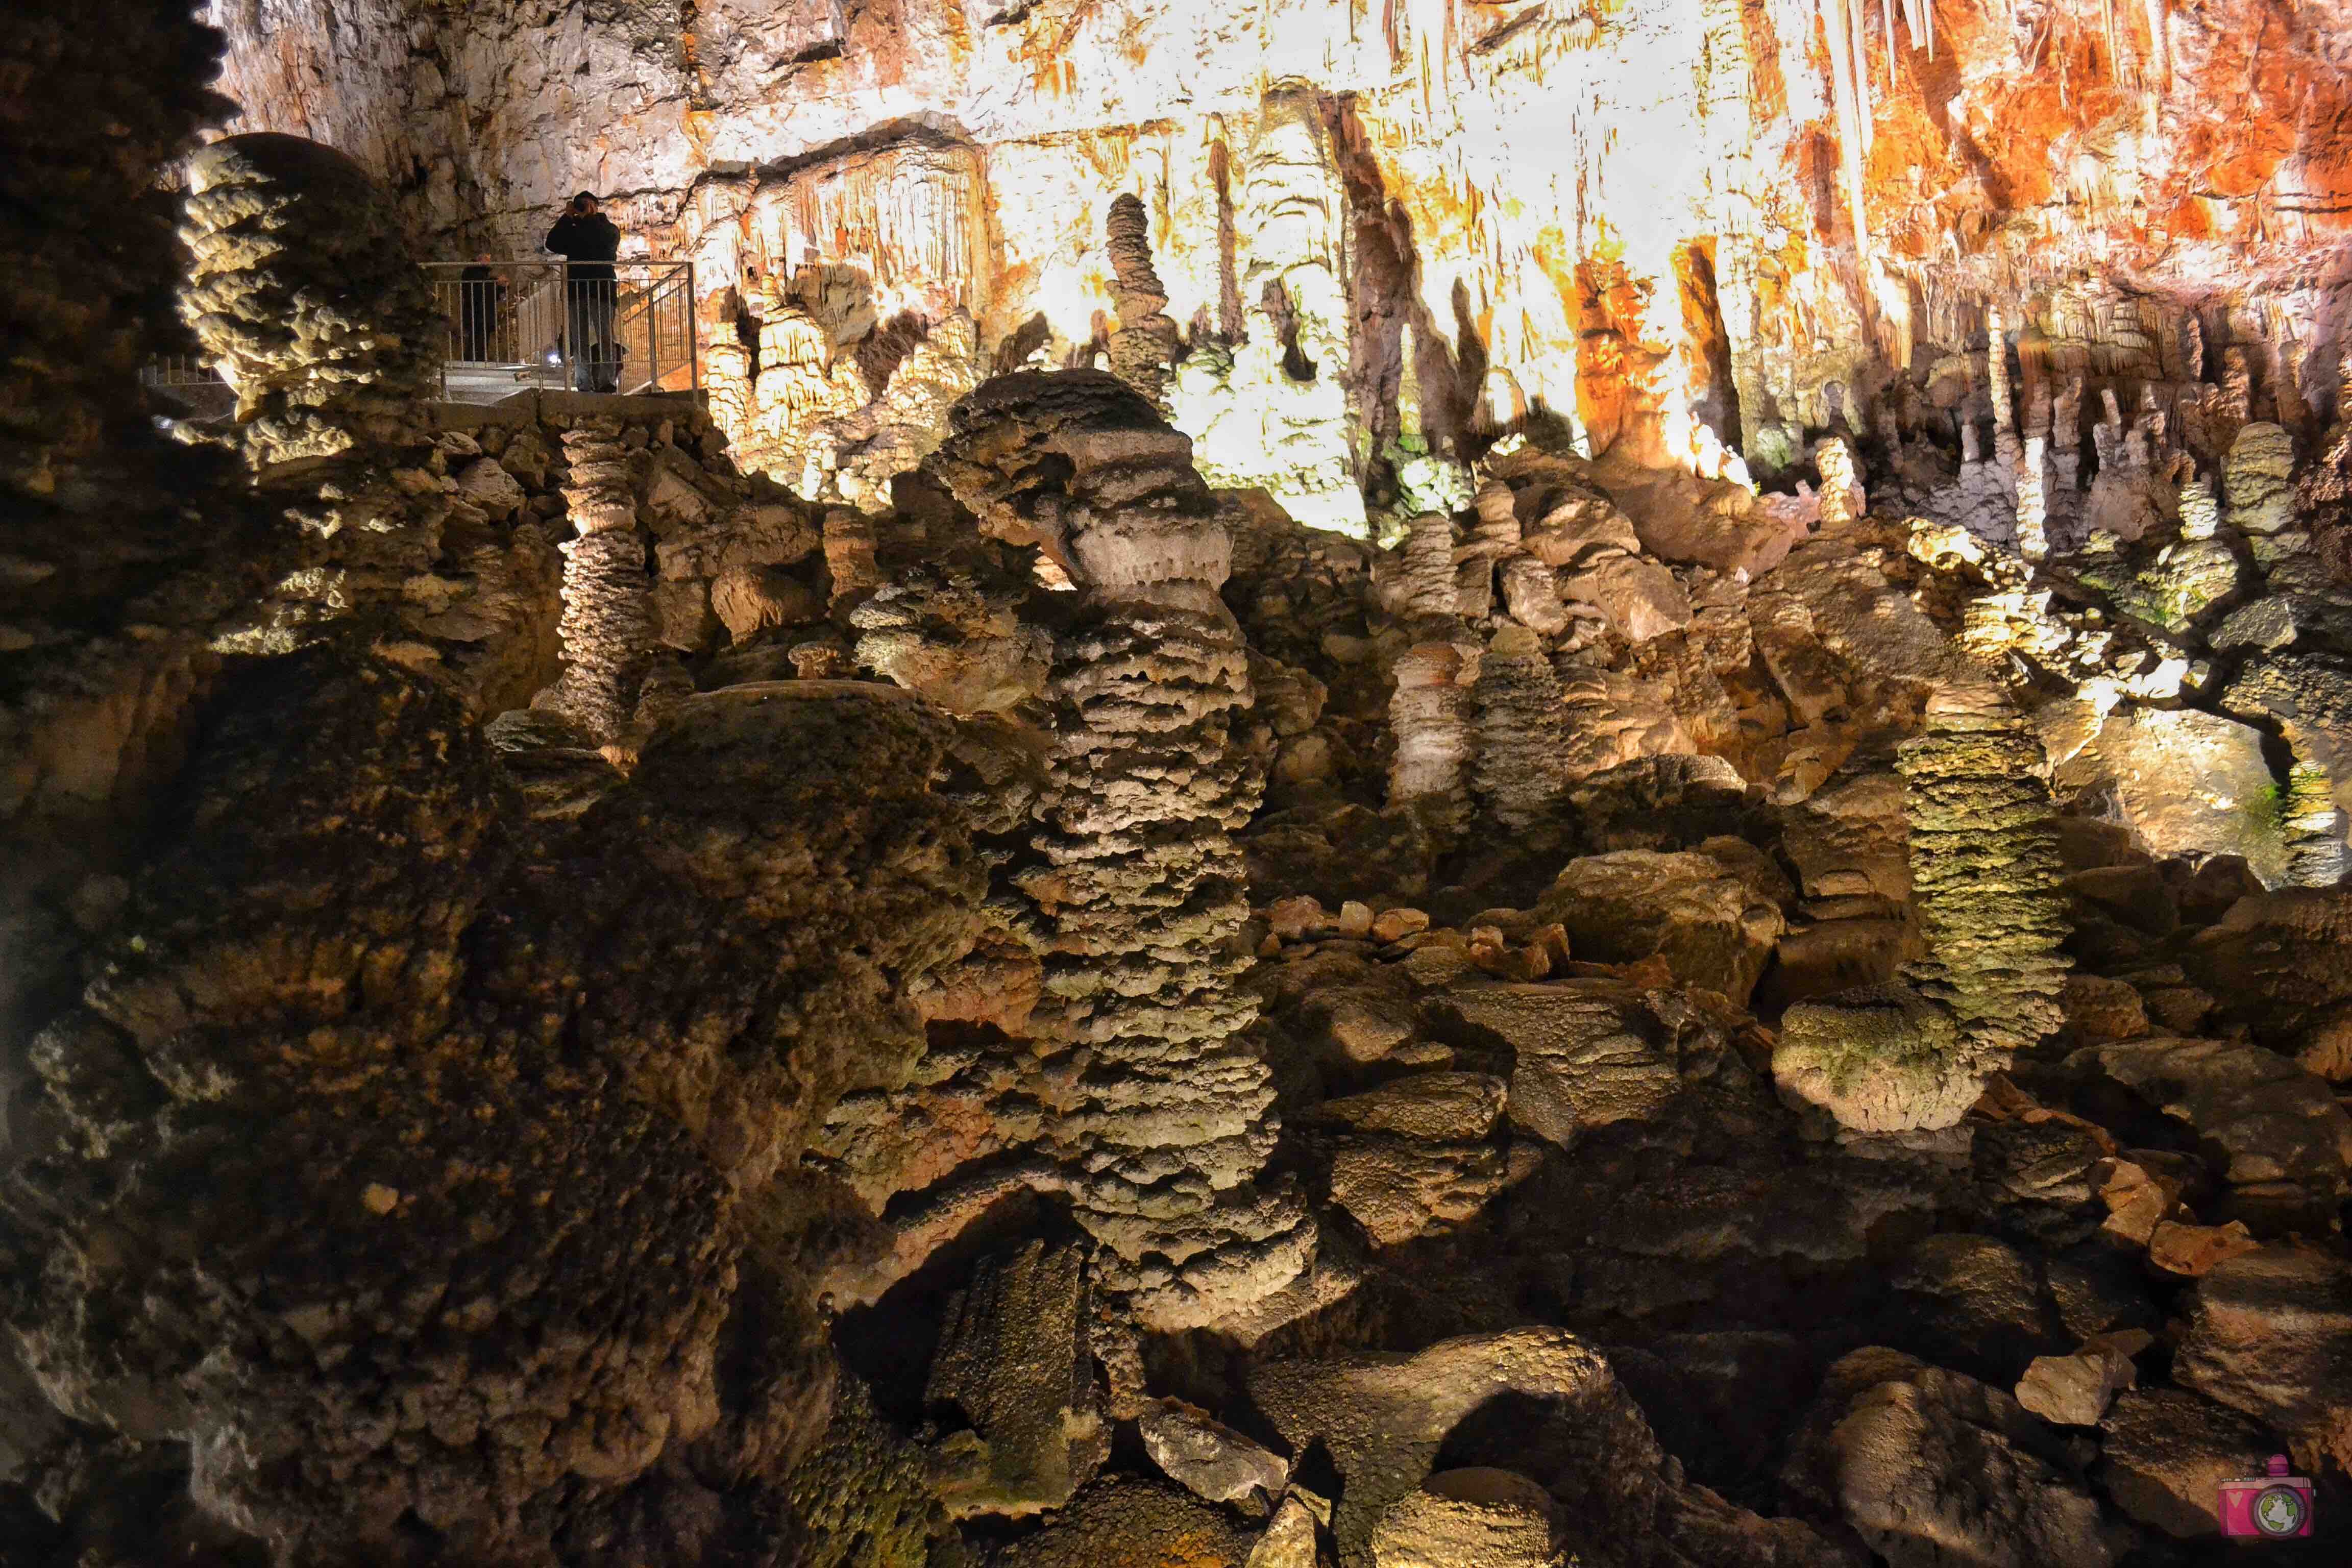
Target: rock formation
(608, 631)
(1568, 878)
(1144, 346)
(1140, 884)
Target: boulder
(1382, 1417)
(1477, 1517)
(2167, 1451)
(2099, 1009)
(1877, 1059)
(2269, 1333)
(1125, 1522)
(2278, 959)
(1539, 1401)
(1207, 1457)
(1978, 1302)
(1933, 1469)
(2188, 783)
(1585, 1053)
(1399, 1188)
(1290, 1538)
(1713, 914)
(1012, 1359)
(1638, 598)
(1438, 1107)
(2286, 1144)
(2179, 1247)
(489, 486)
(2075, 1390)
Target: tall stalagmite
(1140, 884)
(1143, 347)
(1517, 773)
(607, 625)
(1985, 872)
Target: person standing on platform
(588, 241)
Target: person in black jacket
(588, 241)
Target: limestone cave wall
(1679, 224)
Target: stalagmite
(2201, 514)
(1144, 346)
(1985, 872)
(726, 375)
(1171, 1117)
(311, 306)
(2066, 428)
(2033, 500)
(2315, 827)
(305, 297)
(1997, 371)
(1843, 499)
(1429, 714)
(849, 555)
(607, 625)
(1429, 584)
(1517, 776)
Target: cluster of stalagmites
(1139, 888)
(303, 288)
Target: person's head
(483, 257)
(584, 203)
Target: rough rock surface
(1040, 1009)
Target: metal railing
(539, 323)
(511, 325)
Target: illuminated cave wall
(1664, 220)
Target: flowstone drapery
(1139, 888)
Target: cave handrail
(515, 324)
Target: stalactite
(1858, 61)
(2159, 43)
(1850, 115)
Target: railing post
(693, 333)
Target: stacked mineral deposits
(308, 301)
(607, 625)
(1140, 890)
(1430, 716)
(1143, 347)
(1517, 776)
(1985, 873)
(308, 298)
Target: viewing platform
(510, 327)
